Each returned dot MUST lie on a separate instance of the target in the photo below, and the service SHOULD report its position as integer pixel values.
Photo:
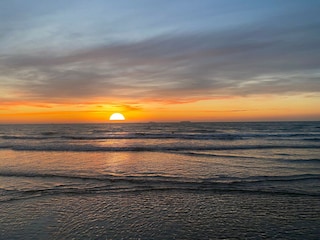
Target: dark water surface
(160, 181)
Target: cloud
(130, 108)
(262, 58)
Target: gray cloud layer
(273, 58)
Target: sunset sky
(169, 60)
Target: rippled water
(160, 181)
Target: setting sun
(117, 117)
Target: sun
(117, 117)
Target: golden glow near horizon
(258, 108)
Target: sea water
(160, 181)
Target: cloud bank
(278, 56)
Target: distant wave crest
(193, 135)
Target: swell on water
(146, 148)
(104, 184)
(143, 135)
(298, 145)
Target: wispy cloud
(273, 57)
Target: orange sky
(259, 108)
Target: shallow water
(160, 181)
(161, 215)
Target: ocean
(160, 181)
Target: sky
(169, 60)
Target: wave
(193, 135)
(65, 147)
(311, 160)
(203, 154)
(120, 184)
(6, 137)
(312, 139)
(161, 178)
(137, 135)
(289, 178)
